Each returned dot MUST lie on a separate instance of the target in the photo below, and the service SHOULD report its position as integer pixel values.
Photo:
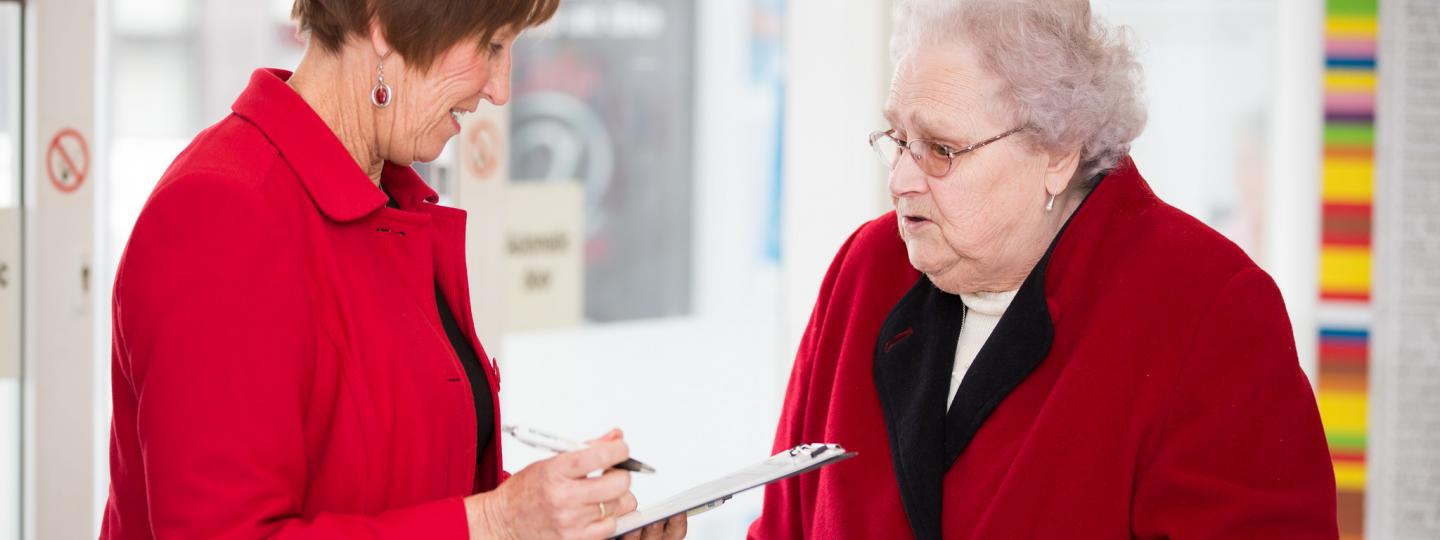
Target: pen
(545, 441)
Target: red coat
(1143, 383)
(279, 364)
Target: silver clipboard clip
(811, 450)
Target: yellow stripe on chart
(1351, 27)
(1348, 180)
(1345, 270)
(1344, 81)
(1343, 411)
(1349, 476)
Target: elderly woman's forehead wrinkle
(939, 117)
(936, 106)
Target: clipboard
(712, 494)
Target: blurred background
(653, 212)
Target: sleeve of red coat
(1241, 452)
(218, 345)
(780, 516)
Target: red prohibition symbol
(67, 161)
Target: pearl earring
(1050, 205)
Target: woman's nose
(906, 178)
(498, 87)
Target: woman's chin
(926, 260)
(430, 145)
(948, 271)
(429, 154)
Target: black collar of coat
(914, 357)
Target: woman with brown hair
(294, 353)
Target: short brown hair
(420, 30)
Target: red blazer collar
(407, 187)
(330, 175)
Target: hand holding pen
(558, 497)
(674, 528)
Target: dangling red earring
(381, 95)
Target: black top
(479, 385)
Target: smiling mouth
(457, 112)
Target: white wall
(1292, 226)
(838, 72)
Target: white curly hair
(1068, 76)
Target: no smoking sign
(67, 160)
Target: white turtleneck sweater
(982, 313)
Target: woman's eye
(496, 49)
(941, 150)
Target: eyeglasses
(934, 158)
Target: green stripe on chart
(1351, 7)
(1349, 134)
(1346, 441)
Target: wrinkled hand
(671, 529)
(554, 498)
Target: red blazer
(279, 364)
(1143, 383)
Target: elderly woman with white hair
(1032, 344)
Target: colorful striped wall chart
(1347, 193)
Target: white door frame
(62, 382)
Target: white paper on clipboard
(798, 460)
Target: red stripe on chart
(1345, 296)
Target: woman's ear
(378, 43)
(1060, 170)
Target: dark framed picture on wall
(603, 95)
